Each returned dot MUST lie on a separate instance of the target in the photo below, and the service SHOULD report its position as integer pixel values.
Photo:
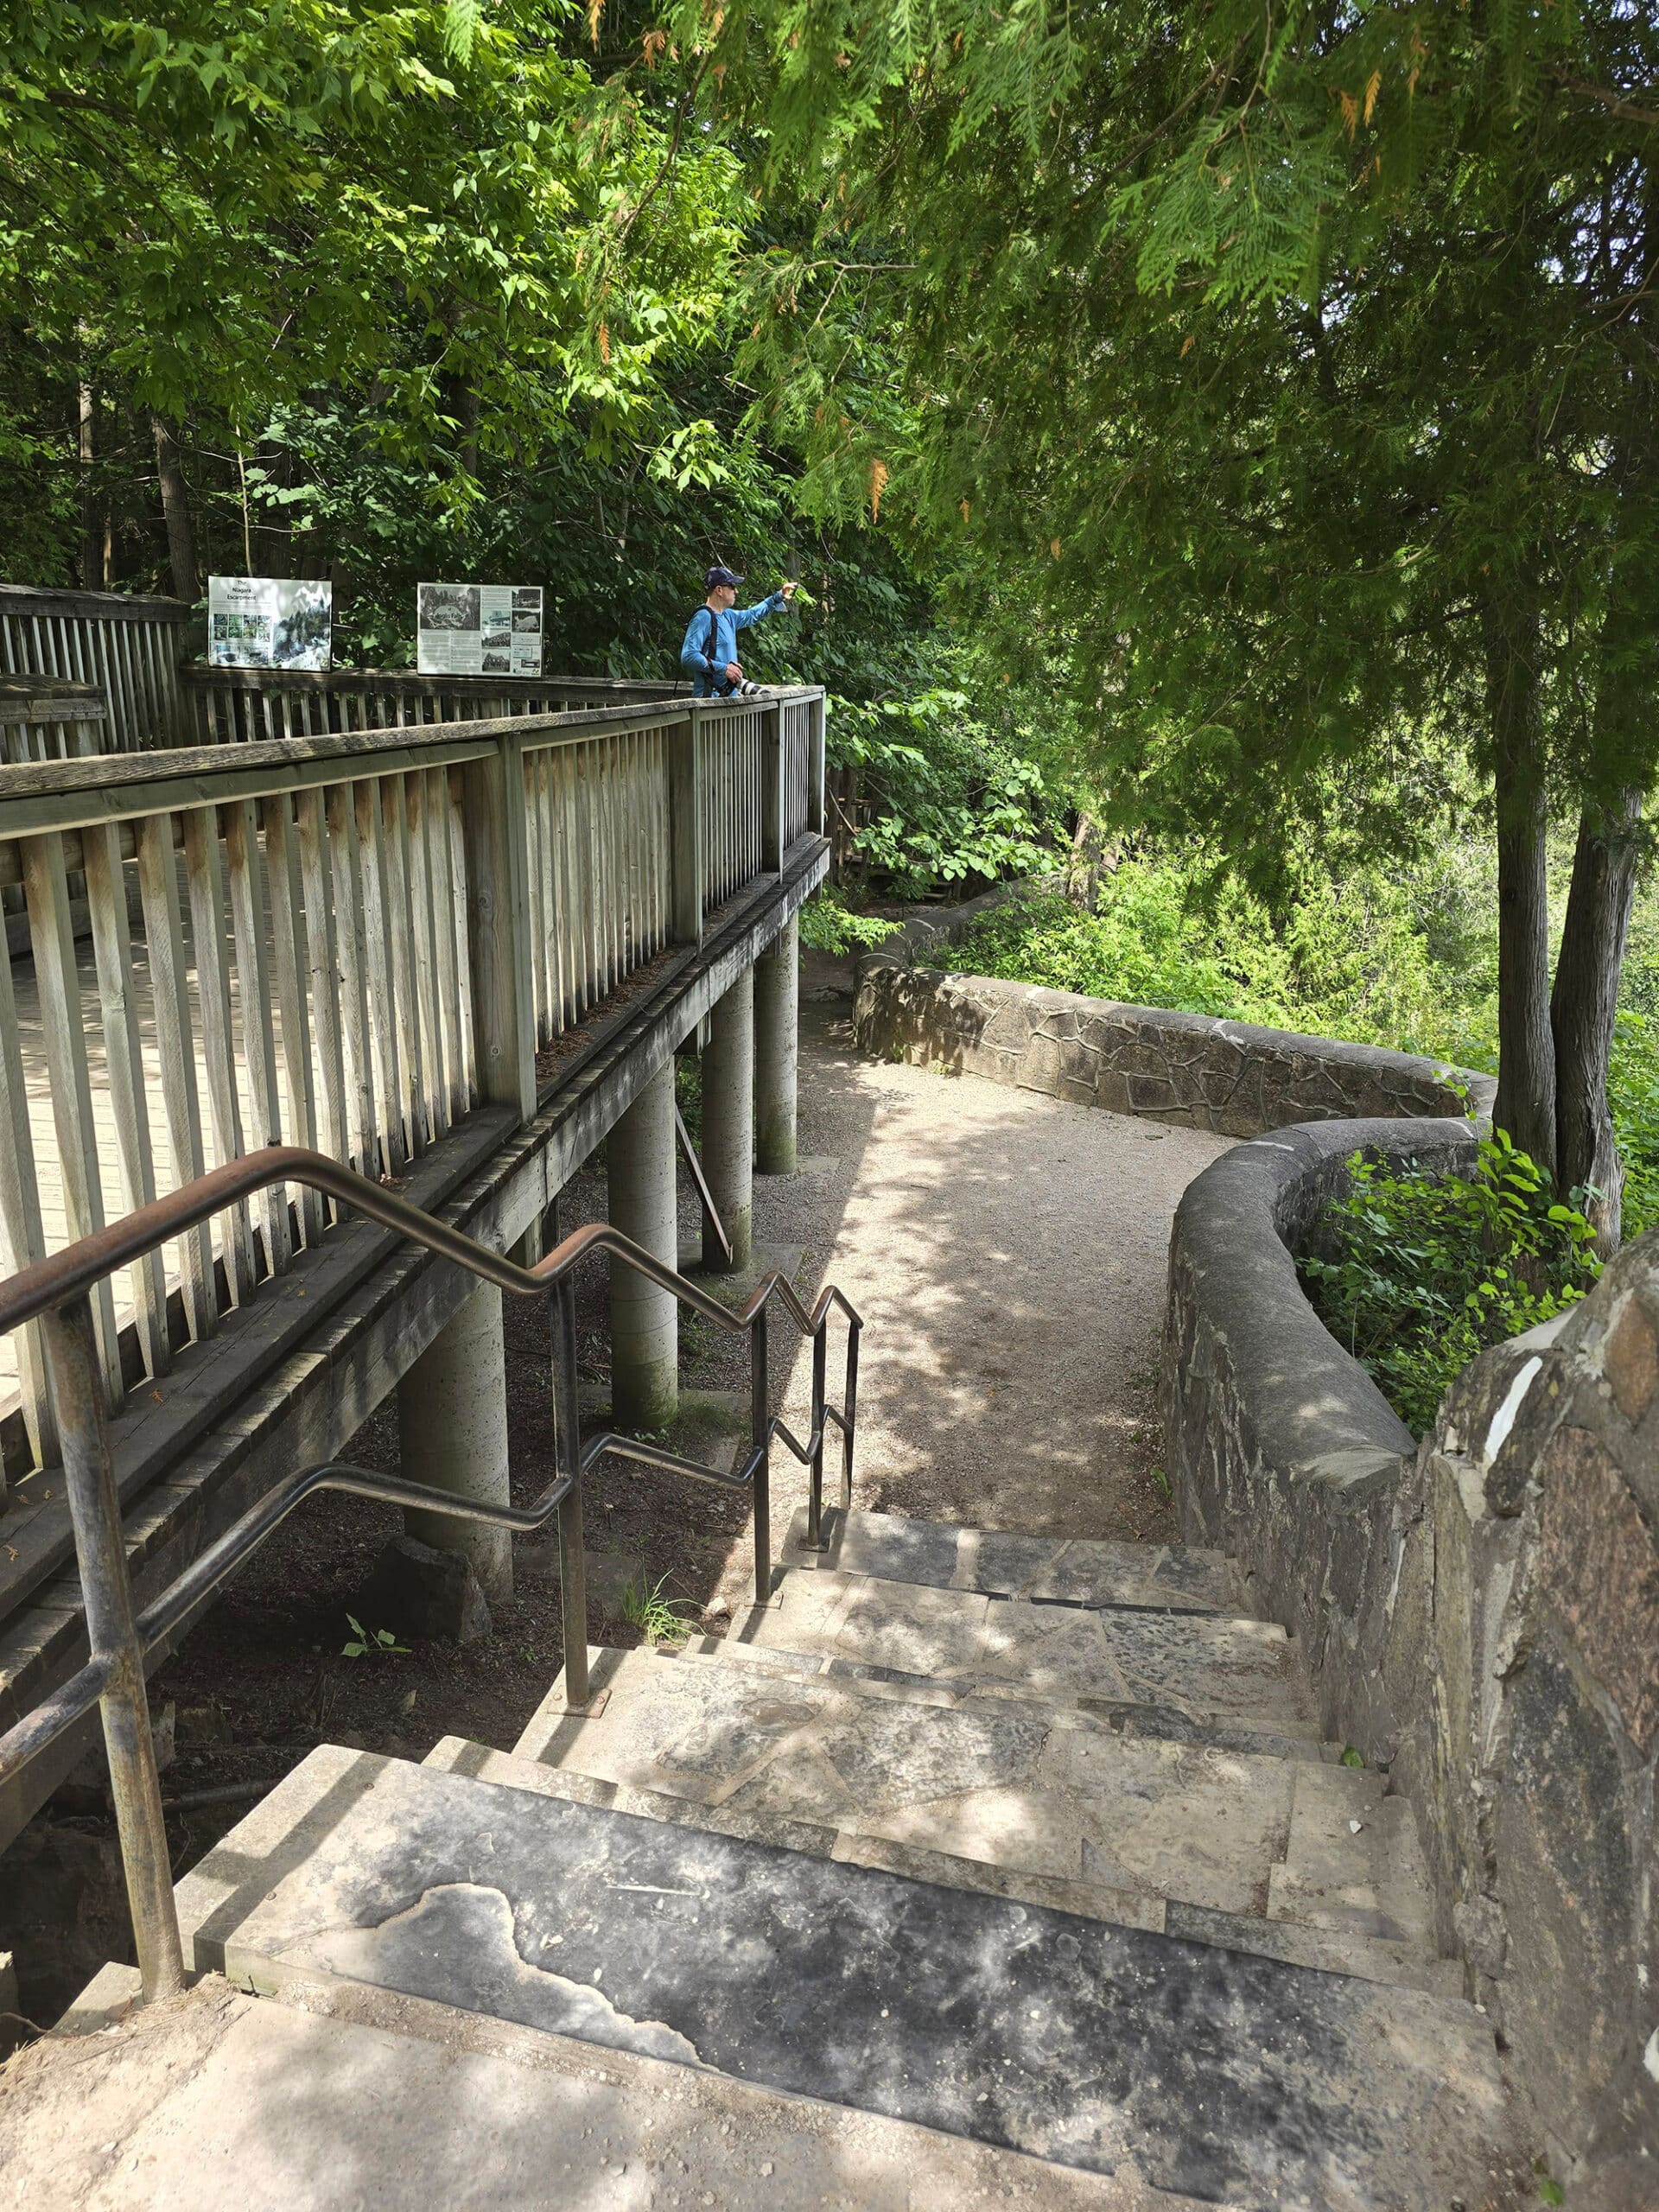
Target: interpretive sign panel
(269, 622)
(478, 629)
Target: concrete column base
(452, 1424)
(728, 1125)
(645, 1319)
(776, 993)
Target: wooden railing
(130, 649)
(343, 941)
(41, 719)
(239, 705)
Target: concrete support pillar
(728, 1124)
(452, 1422)
(776, 994)
(645, 1329)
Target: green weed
(372, 1642)
(657, 1617)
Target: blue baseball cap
(721, 576)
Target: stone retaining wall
(1231, 1077)
(1480, 1615)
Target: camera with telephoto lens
(746, 691)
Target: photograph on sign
(269, 622)
(478, 629)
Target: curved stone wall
(1480, 1614)
(1231, 1077)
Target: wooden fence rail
(131, 650)
(343, 940)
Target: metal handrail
(57, 1292)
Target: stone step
(1020, 1787)
(1332, 1951)
(1126, 1720)
(334, 2094)
(1052, 1570)
(1226, 2077)
(1203, 1665)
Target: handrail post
(817, 731)
(771, 790)
(850, 1408)
(814, 1490)
(95, 1510)
(760, 1444)
(685, 829)
(573, 1564)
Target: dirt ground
(1007, 1253)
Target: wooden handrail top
(42, 794)
(99, 605)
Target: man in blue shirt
(710, 652)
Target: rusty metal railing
(57, 1292)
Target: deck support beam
(645, 1320)
(728, 1125)
(451, 1420)
(776, 993)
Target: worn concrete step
(1203, 1665)
(1330, 1950)
(1051, 1570)
(1162, 1721)
(1015, 1786)
(340, 2095)
(1230, 2078)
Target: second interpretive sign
(478, 629)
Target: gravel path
(1008, 1254)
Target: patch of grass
(658, 1618)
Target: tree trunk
(1526, 1065)
(1582, 1006)
(176, 513)
(93, 575)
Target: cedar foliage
(1291, 374)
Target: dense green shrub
(828, 924)
(1417, 1273)
(951, 802)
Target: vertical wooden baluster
(636, 881)
(326, 983)
(440, 878)
(259, 1033)
(463, 952)
(51, 932)
(378, 972)
(22, 1239)
(400, 922)
(158, 885)
(106, 901)
(545, 785)
(204, 881)
(605, 762)
(570, 763)
(537, 920)
(434, 1087)
(593, 854)
(551, 847)
(290, 962)
(362, 1128)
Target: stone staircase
(971, 1867)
